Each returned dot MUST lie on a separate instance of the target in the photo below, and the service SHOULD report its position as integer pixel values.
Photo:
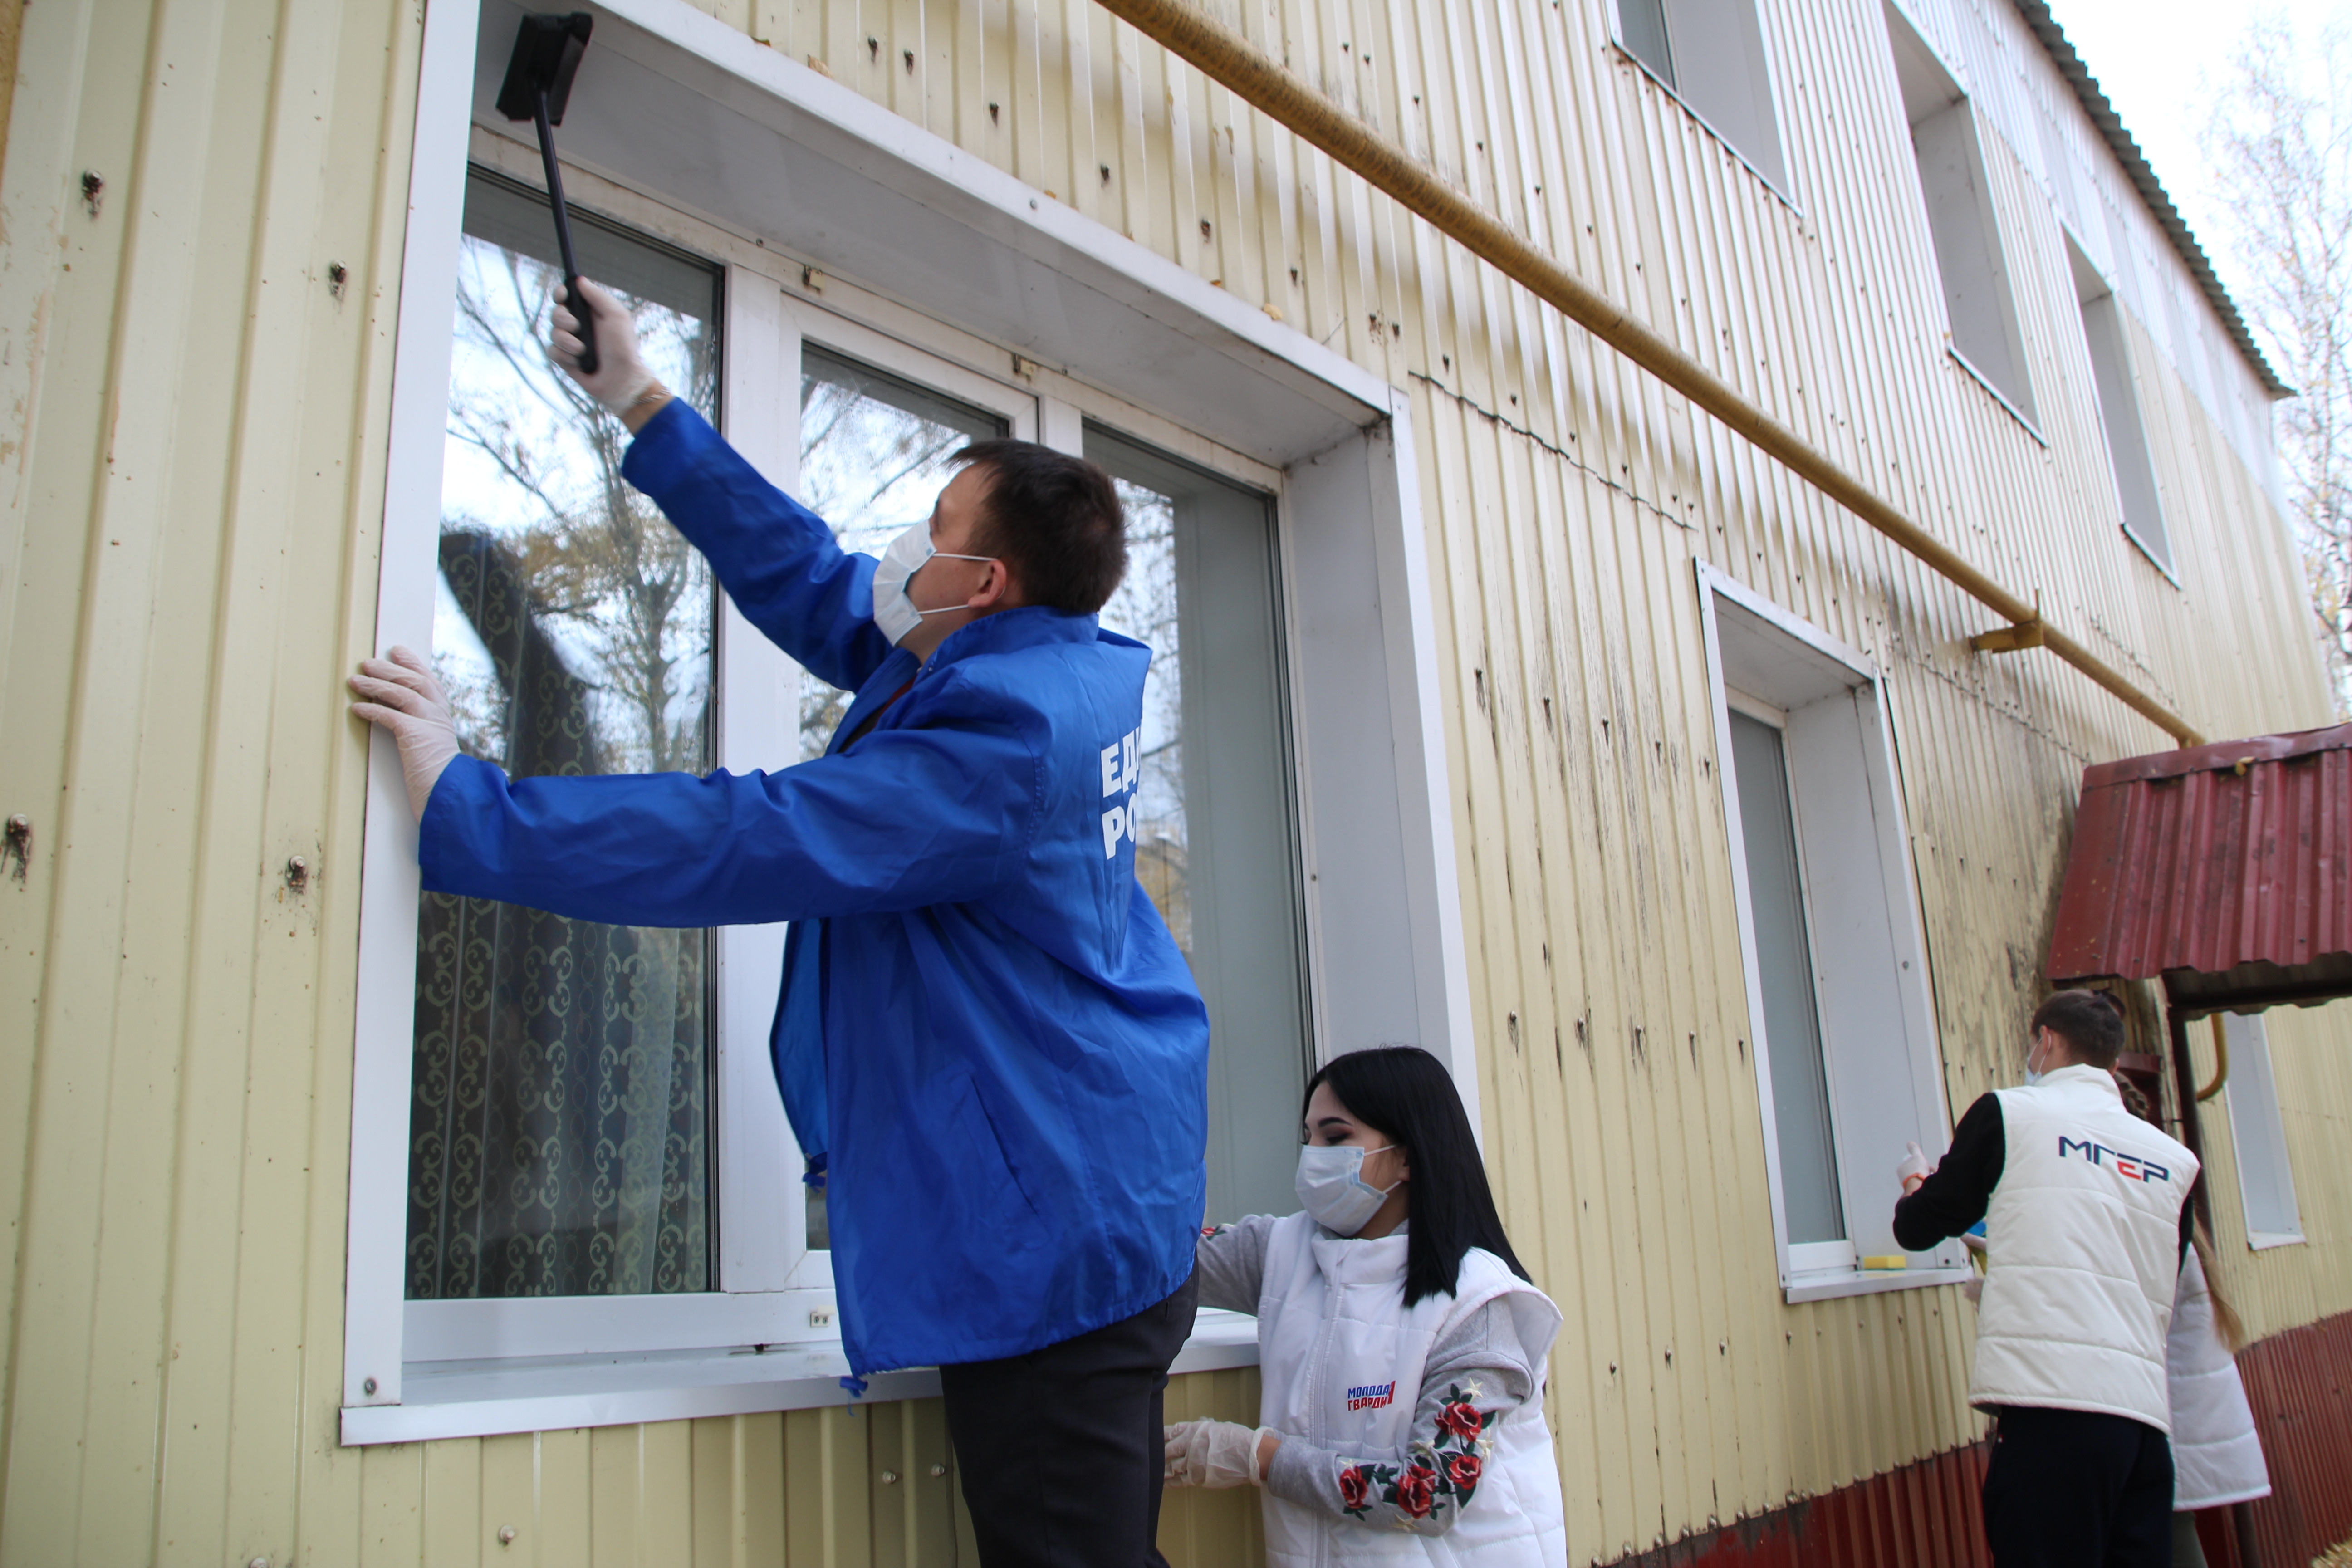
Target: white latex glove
(1913, 1170)
(621, 377)
(1212, 1454)
(400, 693)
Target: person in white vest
(2087, 1220)
(1401, 1351)
(2217, 1455)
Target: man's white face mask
(894, 612)
(2034, 1075)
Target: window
(559, 1130)
(1846, 1065)
(1214, 839)
(2258, 1135)
(2103, 335)
(1979, 313)
(875, 450)
(657, 1260)
(874, 454)
(1711, 53)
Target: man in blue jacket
(991, 1048)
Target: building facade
(1504, 705)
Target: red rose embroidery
(1417, 1490)
(1353, 1486)
(1463, 1470)
(1462, 1420)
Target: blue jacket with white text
(986, 1032)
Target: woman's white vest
(2216, 1456)
(2083, 1249)
(1331, 1317)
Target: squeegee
(538, 83)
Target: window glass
(873, 456)
(2258, 1134)
(559, 1140)
(1216, 843)
(875, 452)
(2105, 335)
(1978, 303)
(1711, 52)
(1792, 1024)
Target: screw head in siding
(93, 187)
(298, 873)
(259, 1562)
(938, 1470)
(889, 1477)
(368, 1387)
(18, 846)
(337, 275)
(506, 1535)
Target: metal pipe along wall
(1227, 57)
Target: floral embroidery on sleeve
(1438, 1474)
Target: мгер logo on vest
(2131, 1167)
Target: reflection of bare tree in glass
(601, 559)
(869, 468)
(1146, 608)
(558, 1139)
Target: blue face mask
(1332, 1188)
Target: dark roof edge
(2111, 126)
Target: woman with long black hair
(1402, 1349)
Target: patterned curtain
(558, 1142)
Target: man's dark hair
(2087, 1021)
(1054, 519)
(1406, 1095)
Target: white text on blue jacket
(1120, 767)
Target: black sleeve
(1957, 1191)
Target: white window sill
(481, 1398)
(2261, 1240)
(1831, 1284)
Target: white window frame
(1812, 1272)
(1904, 37)
(2251, 1096)
(2114, 399)
(1764, 82)
(1229, 389)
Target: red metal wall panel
(1921, 1516)
(2300, 1383)
(2210, 860)
(1925, 1515)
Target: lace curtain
(559, 1124)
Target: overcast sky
(2159, 61)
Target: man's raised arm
(776, 559)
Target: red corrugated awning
(2220, 868)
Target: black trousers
(2078, 1489)
(1060, 1449)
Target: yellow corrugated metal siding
(192, 433)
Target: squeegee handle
(573, 298)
